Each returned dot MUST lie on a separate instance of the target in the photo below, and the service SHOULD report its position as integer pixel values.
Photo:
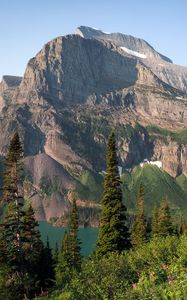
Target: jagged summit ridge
(122, 40)
(161, 65)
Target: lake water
(88, 236)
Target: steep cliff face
(8, 86)
(73, 93)
(71, 69)
(161, 65)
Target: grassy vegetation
(89, 186)
(158, 184)
(179, 136)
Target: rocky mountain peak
(76, 90)
(160, 65)
(131, 43)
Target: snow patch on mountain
(134, 53)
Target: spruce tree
(22, 245)
(139, 227)
(164, 225)
(13, 199)
(11, 178)
(46, 267)
(73, 240)
(154, 221)
(31, 240)
(55, 255)
(63, 267)
(113, 232)
(182, 227)
(70, 257)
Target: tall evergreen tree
(31, 240)
(22, 245)
(12, 166)
(164, 225)
(154, 221)
(113, 232)
(56, 255)
(182, 227)
(73, 240)
(70, 258)
(139, 227)
(46, 267)
(14, 200)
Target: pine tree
(13, 199)
(31, 240)
(154, 223)
(139, 227)
(22, 245)
(113, 232)
(12, 228)
(70, 258)
(73, 241)
(55, 255)
(12, 168)
(63, 267)
(182, 227)
(164, 222)
(46, 267)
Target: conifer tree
(70, 257)
(113, 232)
(164, 221)
(182, 227)
(46, 267)
(22, 245)
(12, 168)
(31, 240)
(55, 255)
(62, 269)
(154, 221)
(73, 241)
(12, 198)
(139, 227)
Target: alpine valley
(76, 90)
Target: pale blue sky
(26, 25)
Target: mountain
(161, 65)
(73, 93)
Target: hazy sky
(26, 25)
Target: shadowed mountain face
(161, 65)
(73, 93)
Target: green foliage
(45, 269)
(20, 247)
(70, 258)
(113, 232)
(163, 219)
(89, 186)
(157, 185)
(139, 230)
(11, 177)
(156, 270)
(178, 136)
(55, 255)
(47, 186)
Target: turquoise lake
(88, 236)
